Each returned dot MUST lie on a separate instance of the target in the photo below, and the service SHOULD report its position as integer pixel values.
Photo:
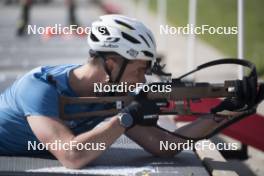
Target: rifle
(181, 97)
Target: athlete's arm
(48, 130)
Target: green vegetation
(224, 13)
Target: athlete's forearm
(201, 127)
(102, 136)
(152, 137)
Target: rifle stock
(120, 101)
(181, 94)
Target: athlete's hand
(247, 97)
(141, 108)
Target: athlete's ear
(110, 64)
(113, 62)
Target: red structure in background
(249, 130)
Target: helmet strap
(121, 70)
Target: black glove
(246, 98)
(139, 109)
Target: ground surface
(123, 158)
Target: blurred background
(20, 52)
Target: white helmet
(122, 35)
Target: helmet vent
(124, 24)
(150, 38)
(148, 54)
(143, 38)
(93, 37)
(130, 38)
